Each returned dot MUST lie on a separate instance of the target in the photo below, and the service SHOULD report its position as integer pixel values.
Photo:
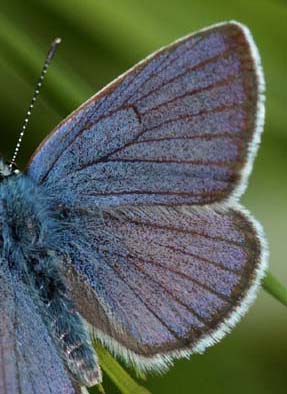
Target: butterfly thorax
(25, 221)
(30, 249)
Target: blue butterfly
(128, 218)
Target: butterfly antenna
(50, 55)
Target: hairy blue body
(31, 248)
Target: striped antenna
(47, 62)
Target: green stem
(117, 374)
(100, 389)
(275, 288)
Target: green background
(101, 39)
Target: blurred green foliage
(101, 39)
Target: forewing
(181, 127)
(158, 282)
(29, 362)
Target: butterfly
(127, 219)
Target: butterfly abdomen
(31, 246)
(68, 328)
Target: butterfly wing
(181, 128)
(162, 282)
(29, 362)
(176, 129)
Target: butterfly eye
(4, 171)
(7, 171)
(14, 170)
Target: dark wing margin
(159, 283)
(181, 127)
(29, 362)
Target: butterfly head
(6, 170)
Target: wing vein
(214, 85)
(168, 64)
(185, 231)
(166, 290)
(203, 259)
(186, 71)
(183, 275)
(171, 331)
